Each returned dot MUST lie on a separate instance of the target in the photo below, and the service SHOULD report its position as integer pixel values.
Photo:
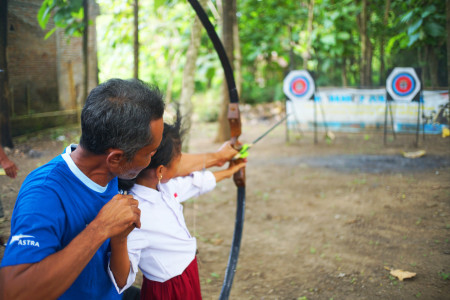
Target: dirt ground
(323, 221)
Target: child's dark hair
(169, 148)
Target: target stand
(403, 85)
(299, 85)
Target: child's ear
(160, 171)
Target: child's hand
(232, 168)
(236, 167)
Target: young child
(163, 248)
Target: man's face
(131, 169)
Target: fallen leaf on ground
(351, 221)
(400, 274)
(217, 242)
(414, 154)
(445, 132)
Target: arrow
(243, 152)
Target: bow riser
(234, 119)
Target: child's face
(171, 170)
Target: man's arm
(196, 162)
(52, 276)
(7, 164)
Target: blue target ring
(299, 86)
(403, 84)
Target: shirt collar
(145, 193)
(78, 173)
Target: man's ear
(115, 157)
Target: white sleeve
(135, 243)
(130, 279)
(195, 184)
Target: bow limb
(235, 126)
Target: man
(67, 210)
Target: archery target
(299, 85)
(403, 84)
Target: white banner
(354, 110)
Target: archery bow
(234, 119)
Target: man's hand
(225, 153)
(10, 168)
(119, 216)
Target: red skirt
(182, 287)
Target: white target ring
(403, 84)
(299, 85)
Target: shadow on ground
(373, 164)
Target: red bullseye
(299, 86)
(403, 84)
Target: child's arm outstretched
(227, 173)
(196, 162)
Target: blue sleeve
(37, 226)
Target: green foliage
(421, 22)
(67, 14)
(273, 37)
(444, 276)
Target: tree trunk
(344, 72)
(85, 50)
(433, 66)
(369, 56)
(292, 63)
(421, 65)
(5, 133)
(364, 51)
(307, 53)
(136, 39)
(382, 81)
(188, 84)
(237, 52)
(228, 12)
(353, 61)
(425, 65)
(448, 56)
(172, 63)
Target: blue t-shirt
(55, 203)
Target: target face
(403, 84)
(299, 85)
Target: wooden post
(73, 100)
(27, 90)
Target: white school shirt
(163, 247)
